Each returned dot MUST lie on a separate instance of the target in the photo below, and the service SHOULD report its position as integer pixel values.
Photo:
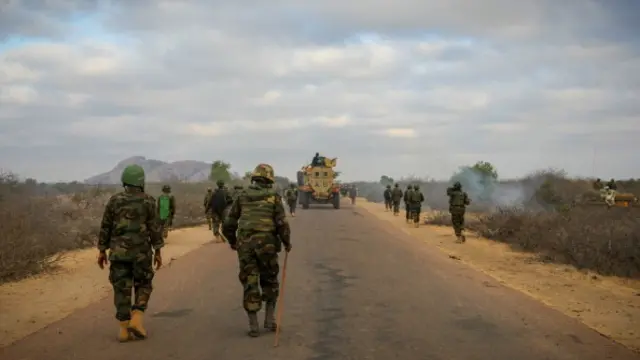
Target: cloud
(422, 87)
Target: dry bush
(34, 228)
(558, 224)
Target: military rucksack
(164, 206)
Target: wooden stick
(281, 300)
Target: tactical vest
(457, 198)
(414, 197)
(257, 209)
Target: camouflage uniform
(218, 217)
(291, 195)
(396, 196)
(416, 198)
(387, 198)
(407, 206)
(598, 185)
(207, 211)
(165, 224)
(256, 228)
(130, 231)
(353, 193)
(458, 201)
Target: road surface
(357, 289)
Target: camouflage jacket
(256, 210)
(457, 198)
(396, 194)
(130, 226)
(415, 197)
(207, 198)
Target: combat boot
(459, 239)
(123, 333)
(135, 325)
(270, 317)
(254, 328)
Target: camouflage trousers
(388, 204)
(292, 206)
(457, 219)
(216, 222)
(396, 206)
(414, 212)
(126, 276)
(207, 215)
(165, 225)
(259, 268)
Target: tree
(486, 169)
(220, 171)
(386, 180)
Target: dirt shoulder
(608, 305)
(34, 303)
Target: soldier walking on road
(416, 198)
(257, 228)
(458, 202)
(353, 193)
(207, 212)
(387, 199)
(219, 201)
(130, 231)
(166, 210)
(291, 195)
(396, 196)
(407, 206)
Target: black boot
(254, 328)
(270, 316)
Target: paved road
(357, 289)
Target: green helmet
(133, 175)
(220, 183)
(388, 186)
(416, 187)
(263, 171)
(409, 187)
(166, 188)
(209, 189)
(457, 185)
(397, 185)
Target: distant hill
(156, 171)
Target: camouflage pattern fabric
(256, 227)
(415, 200)
(458, 201)
(130, 230)
(216, 222)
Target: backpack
(219, 201)
(164, 206)
(414, 197)
(292, 195)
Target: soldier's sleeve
(421, 197)
(104, 239)
(153, 225)
(230, 225)
(282, 225)
(467, 201)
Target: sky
(419, 87)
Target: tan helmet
(264, 171)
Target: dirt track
(363, 290)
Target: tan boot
(136, 326)
(123, 333)
(254, 328)
(270, 317)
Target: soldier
(407, 206)
(258, 219)
(291, 195)
(220, 199)
(353, 193)
(387, 198)
(612, 185)
(166, 210)
(458, 202)
(130, 231)
(396, 196)
(416, 198)
(207, 199)
(597, 185)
